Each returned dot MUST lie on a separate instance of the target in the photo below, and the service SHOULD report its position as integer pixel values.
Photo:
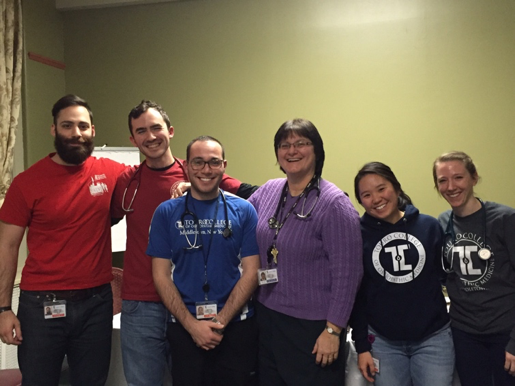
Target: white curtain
(11, 56)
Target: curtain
(11, 57)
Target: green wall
(399, 81)
(42, 84)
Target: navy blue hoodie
(401, 294)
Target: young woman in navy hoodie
(400, 323)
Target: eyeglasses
(199, 163)
(296, 145)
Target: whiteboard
(127, 156)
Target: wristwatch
(215, 330)
(331, 331)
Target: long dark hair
(384, 171)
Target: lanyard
(205, 286)
(277, 221)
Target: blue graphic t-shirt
(194, 242)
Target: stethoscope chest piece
(227, 232)
(484, 254)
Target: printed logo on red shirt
(98, 188)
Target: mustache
(74, 141)
(73, 150)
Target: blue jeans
(145, 352)
(480, 359)
(428, 362)
(84, 335)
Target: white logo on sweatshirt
(399, 269)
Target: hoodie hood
(410, 215)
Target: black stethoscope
(277, 220)
(483, 253)
(137, 177)
(227, 232)
(314, 184)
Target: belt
(69, 295)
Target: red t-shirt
(154, 187)
(66, 209)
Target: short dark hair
(204, 138)
(384, 171)
(67, 101)
(303, 128)
(143, 106)
(456, 156)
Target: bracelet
(3, 309)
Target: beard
(74, 155)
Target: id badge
(55, 309)
(376, 364)
(206, 310)
(267, 276)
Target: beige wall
(399, 81)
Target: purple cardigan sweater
(320, 258)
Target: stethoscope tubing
(137, 177)
(484, 252)
(227, 232)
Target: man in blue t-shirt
(205, 263)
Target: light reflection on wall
(336, 14)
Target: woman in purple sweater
(310, 249)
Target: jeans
(428, 362)
(145, 352)
(84, 336)
(480, 359)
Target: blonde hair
(456, 156)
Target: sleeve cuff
(511, 346)
(362, 345)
